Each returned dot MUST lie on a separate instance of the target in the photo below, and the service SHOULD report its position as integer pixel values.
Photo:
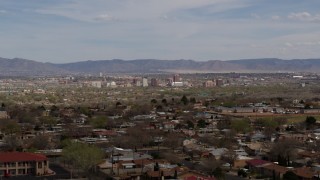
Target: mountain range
(23, 67)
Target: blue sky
(74, 30)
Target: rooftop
(21, 156)
(257, 162)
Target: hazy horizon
(77, 61)
(78, 30)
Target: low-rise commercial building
(23, 163)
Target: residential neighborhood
(161, 132)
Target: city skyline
(76, 30)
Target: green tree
(218, 173)
(193, 100)
(118, 104)
(269, 126)
(175, 176)
(99, 122)
(159, 108)
(269, 123)
(201, 123)
(190, 124)
(225, 123)
(154, 101)
(139, 109)
(3, 107)
(173, 141)
(284, 151)
(82, 156)
(41, 108)
(242, 173)
(47, 121)
(54, 111)
(208, 165)
(26, 118)
(65, 142)
(184, 100)
(12, 142)
(164, 101)
(10, 127)
(310, 121)
(242, 125)
(40, 142)
(156, 167)
(85, 110)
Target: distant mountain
(133, 66)
(272, 64)
(23, 67)
(149, 66)
(154, 66)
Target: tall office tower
(176, 78)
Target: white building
(96, 84)
(112, 84)
(177, 84)
(144, 82)
(138, 83)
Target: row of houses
(128, 164)
(271, 169)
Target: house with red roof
(305, 173)
(23, 163)
(273, 170)
(255, 165)
(267, 168)
(194, 175)
(199, 178)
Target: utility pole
(118, 165)
(142, 167)
(112, 162)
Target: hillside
(152, 65)
(23, 67)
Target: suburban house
(4, 115)
(256, 164)
(23, 163)
(193, 175)
(240, 161)
(273, 170)
(218, 153)
(304, 173)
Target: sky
(62, 31)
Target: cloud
(304, 16)
(84, 10)
(256, 16)
(275, 17)
(288, 44)
(164, 29)
(309, 43)
(3, 11)
(105, 17)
